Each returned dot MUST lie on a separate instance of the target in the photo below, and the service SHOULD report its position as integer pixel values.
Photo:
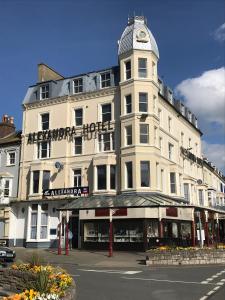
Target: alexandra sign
(61, 133)
(75, 191)
(186, 153)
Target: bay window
(127, 69)
(36, 176)
(145, 174)
(144, 133)
(129, 174)
(38, 224)
(172, 183)
(128, 133)
(128, 103)
(112, 177)
(46, 180)
(101, 177)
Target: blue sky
(79, 36)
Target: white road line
(204, 282)
(210, 293)
(220, 283)
(214, 276)
(164, 280)
(111, 271)
(203, 298)
(216, 288)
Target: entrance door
(74, 227)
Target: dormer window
(105, 80)
(44, 92)
(78, 85)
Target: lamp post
(67, 240)
(200, 229)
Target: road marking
(210, 293)
(203, 298)
(164, 280)
(219, 284)
(111, 271)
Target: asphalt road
(170, 283)
(125, 277)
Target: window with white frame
(78, 145)
(106, 112)
(128, 103)
(144, 133)
(6, 187)
(186, 192)
(77, 178)
(45, 121)
(142, 67)
(106, 142)
(145, 174)
(173, 183)
(105, 80)
(39, 221)
(44, 91)
(143, 102)
(78, 85)
(44, 222)
(129, 174)
(170, 151)
(11, 158)
(128, 135)
(44, 149)
(127, 69)
(33, 221)
(101, 177)
(201, 197)
(79, 117)
(35, 183)
(45, 180)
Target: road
(170, 283)
(125, 276)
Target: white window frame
(101, 142)
(79, 86)
(141, 102)
(82, 145)
(128, 135)
(39, 149)
(144, 134)
(44, 90)
(75, 109)
(170, 151)
(142, 69)
(111, 111)
(126, 105)
(77, 176)
(8, 163)
(39, 212)
(105, 80)
(127, 71)
(40, 120)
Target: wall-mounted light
(23, 210)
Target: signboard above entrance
(74, 191)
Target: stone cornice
(71, 98)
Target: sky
(74, 36)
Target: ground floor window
(96, 232)
(38, 221)
(152, 228)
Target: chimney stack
(7, 126)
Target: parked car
(7, 254)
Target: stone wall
(185, 257)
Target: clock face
(142, 36)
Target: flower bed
(49, 283)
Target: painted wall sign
(187, 154)
(104, 212)
(171, 212)
(61, 133)
(75, 191)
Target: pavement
(125, 276)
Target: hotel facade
(114, 139)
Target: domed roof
(137, 36)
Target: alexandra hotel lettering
(61, 133)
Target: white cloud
(215, 153)
(205, 95)
(219, 33)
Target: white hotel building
(120, 133)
